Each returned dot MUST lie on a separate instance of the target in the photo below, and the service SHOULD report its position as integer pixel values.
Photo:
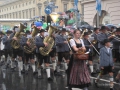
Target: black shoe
(34, 73)
(97, 71)
(96, 84)
(23, 71)
(58, 74)
(111, 89)
(50, 79)
(39, 77)
(12, 69)
(92, 74)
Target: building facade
(27, 9)
(110, 12)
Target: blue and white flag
(98, 6)
(76, 4)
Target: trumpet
(113, 34)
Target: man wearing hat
(63, 50)
(1, 46)
(27, 56)
(89, 49)
(7, 45)
(102, 36)
(116, 45)
(39, 43)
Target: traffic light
(43, 18)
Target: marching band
(78, 76)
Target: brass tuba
(29, 49)
(16, 43)
(50, 40)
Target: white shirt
(108, 49)
(72, 42)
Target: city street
(11, 81)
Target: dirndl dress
(78, 74)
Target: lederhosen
(89, 49)
(17, 52)
(41, 57)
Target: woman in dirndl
(78, 74)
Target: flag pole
(98, 23)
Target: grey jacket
(101, 37)
(106, 58)
(95, 38)
(39, 43)
(23, 41)
(116, 44)
(60, 45)
(87, 45)
(7, 42)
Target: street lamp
(54, 16)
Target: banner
(98, 6)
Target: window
(19, 5)
(26, 13)
(13, 15)
(65, 7)
(23, 4)
(23, 14)
(19, 14)
(33, 11)
(30, 2)
(13, 7)
(30, 12)
(16, 6)
(16, 15)
(10, 8)
(33, 1)
(7, 16)
(26, 3)
(39, 11)
(10, 15)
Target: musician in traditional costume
(94, 35)
(102, 36)
(39, 43)
(89, 48)
(78, 74)
(28, 56)
(106, 63)
(7, 45)
(62, 49)
(116, 46)
(16, 52)
(1, 46)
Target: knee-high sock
(66, 66)
(26, 67)
(91, 68)
(39, 72)
(20, 65)
(12, 64)
(48, 72)
(58, 68)
(54, 65)
(33, 67)
(111, 80)
(85, 88)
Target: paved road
(11, 81)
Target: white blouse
(72, 42)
